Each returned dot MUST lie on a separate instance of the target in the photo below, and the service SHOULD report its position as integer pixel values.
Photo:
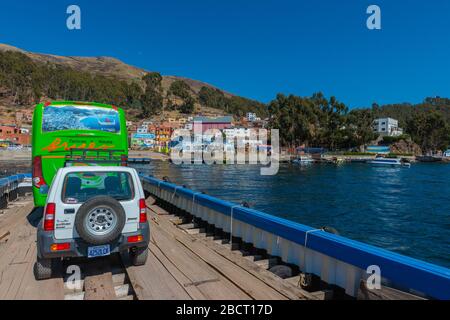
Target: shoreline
(25, 155)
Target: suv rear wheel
(42, 268)
(100, 220)
(138, 256)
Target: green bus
(68, 133)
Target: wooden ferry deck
(182, 264)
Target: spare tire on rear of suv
(100, 220)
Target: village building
(387, 127)
(15, 135)
(201, 124)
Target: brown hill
(105, 66)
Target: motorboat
(393, 162)
(303, 160)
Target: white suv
(91, 212)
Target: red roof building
(14, 135)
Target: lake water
(399, 209)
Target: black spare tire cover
(100, 220)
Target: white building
(231, 133)
(387, 127)
(251, 116)
(142, 129)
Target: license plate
(98, 251)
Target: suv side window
(78, 187)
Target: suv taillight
(124, 160)
(38, 177)
(142, 211)
(49, 217)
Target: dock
(204, 248)
(139, 160)
(182, 265)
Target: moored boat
(382, 161)
(303, 160)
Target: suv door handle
(69, 211)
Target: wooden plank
(122, 290)
(158, 210)
(325, 294)
(99, 287)
(17, 260)
(249, 284)
(150, 201)
(293, 280)
(177, 220)
(186, 226)
(210, 282)
(98, 284)
(153, 282)
(195, 230)
(268, 277)
(119, 278)
(3, 236)
(266, 263)
(272, 281)
(193, 291)
(189, 264)
(14, 217)
(30, 289)
(252, 258)
(10, 279)
(74, 296)
(384, 293)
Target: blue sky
(256, 48)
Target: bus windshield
(67, 117)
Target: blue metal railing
(9, 187)
(402, 271)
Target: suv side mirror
(44, 189)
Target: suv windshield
(81, 186)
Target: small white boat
(393, 162)
(303, 160)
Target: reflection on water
(400, 209)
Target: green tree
(429, 130)
(152, 99)
(181, 89)
(359, 125)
